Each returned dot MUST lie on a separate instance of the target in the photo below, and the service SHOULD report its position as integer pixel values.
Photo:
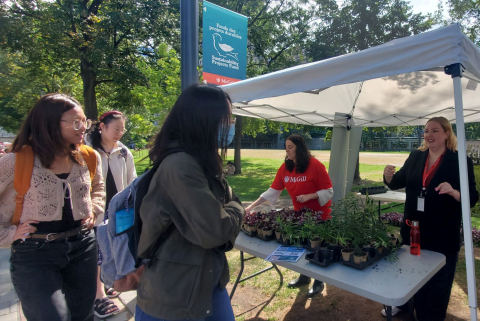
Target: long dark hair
(200, 113)
(41, 130)
(302, 154)
(95, 135)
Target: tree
(22, 83)
(467, 12)
(153, 102)
(360, 24)
(103, 40)
(277, 33)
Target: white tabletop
(389, 196)
(390, 283)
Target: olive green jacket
(207, 216)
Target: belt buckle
(47, 238)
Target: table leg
(242, 266)
(389, 313)
(411, 308)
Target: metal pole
(189, 42)
(345, 175)
(465, 197)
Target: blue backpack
(118, 238)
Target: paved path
(9, 304)
(10, 309)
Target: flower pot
(315, 243)
(346, 253)
(251, 229)
(360, 259)
(267, 232)
(380, 249)
(285, 237)
(370, 250)
(393, 240)
(259, 231)
(278, 235)
(245, 226)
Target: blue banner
(224, 45)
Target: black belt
(60, 236)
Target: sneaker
(395, 311)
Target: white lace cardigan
(45, 198)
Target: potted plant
(250, 224)
(312, 229)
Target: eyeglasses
(77, 123)
(120, 131)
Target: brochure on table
(286, 254)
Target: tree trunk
(237, 143)
(356, 177)
(89, 78)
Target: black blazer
(441, 221)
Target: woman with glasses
(119, 171)
(54, 255)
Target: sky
(419, 6)
(424, 6)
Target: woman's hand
(89, 222)
(24, 229)
(446, 188)
(249, 209)
(304, 198)
(389, 170)
(388, 173)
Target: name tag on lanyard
(421, 201)
(421, 198)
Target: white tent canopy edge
(401, 83)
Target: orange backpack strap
(90, 158)
(24, 160)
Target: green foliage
(467, 12)
(22, 82)
(278, 30)
(356, 223)
(360, 24)
(475, 211)
(104, 38)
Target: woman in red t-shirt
(308, 184)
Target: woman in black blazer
(430, 176)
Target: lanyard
(427, 173)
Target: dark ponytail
(95, 133)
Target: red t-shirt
(314, 179)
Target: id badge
(421, 204)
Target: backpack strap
(142, 190)
(90, 158)
(24, 160)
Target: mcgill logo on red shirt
(295, 179)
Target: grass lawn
(259, 173)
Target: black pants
(431, 301)
(56, 281)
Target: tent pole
(345, 174)
(465, 195)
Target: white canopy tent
(401, 82)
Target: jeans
(221, 309)
(56, 280)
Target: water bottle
(414, 237)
